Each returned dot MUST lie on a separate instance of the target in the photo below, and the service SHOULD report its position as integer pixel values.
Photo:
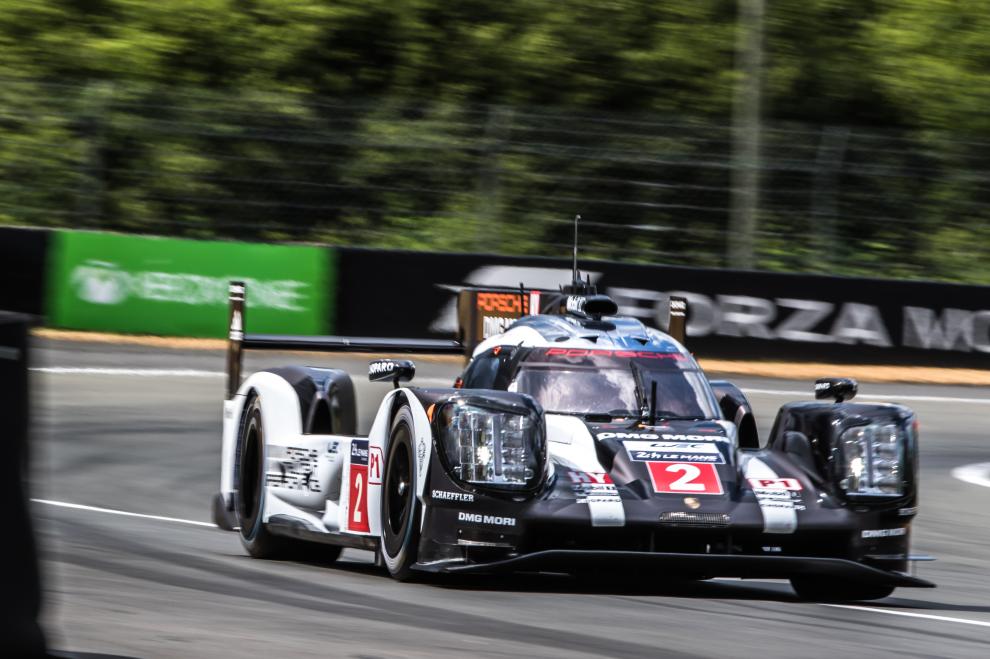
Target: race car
(574, 441)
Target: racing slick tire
(250, 497)
(820, 589)
(400, 513)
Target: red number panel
(684, 478)
(357, 514)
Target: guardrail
(141, 284)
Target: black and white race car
(574, 440)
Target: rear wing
(481, 313)
(238, 340)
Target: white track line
(977, 474)
(909, 614)
(893, 397)
(142, 372)
(111, 511)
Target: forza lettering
(491, 520)
(787, 319)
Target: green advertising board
(149, 285)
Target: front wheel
(820, 589)
(400, 507)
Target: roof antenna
(575, 278)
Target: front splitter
(707, 565)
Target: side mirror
(396, 370)
(840, 389)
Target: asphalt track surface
(117, 428)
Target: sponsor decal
(421, 452)
(499, 310)
(778, 505)
(504, 303)
(296, 470)
(907, 512)
(590, 477)
(772, 550)
(494, 325)
(778, 497)
(684, 478)
(593, 487)
(357, 500)
(498, 275)
(359, 452)
(775, 483)
(375, 465)
(598, 492)
(627, 435)
(622, 354)
(694, 452)
(490, 520)
(381, 366)
(692, 502)
(884, 533)
(107, 283)
(333, 447)
(657, 436)
(445, 495)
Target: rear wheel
(400, 507)
(820, 589)
(251, 495)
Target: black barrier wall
(732, 314)
(23, 254)
(20, 596)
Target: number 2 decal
(684, 478)
(358, 500)
(685, 482)
(359, 484)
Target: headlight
(873, 460)
(494, 447)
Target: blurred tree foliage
(480, 125)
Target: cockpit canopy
(617, 383)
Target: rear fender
(280, 419)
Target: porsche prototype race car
(575, 440)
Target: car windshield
(622, 388)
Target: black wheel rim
(398, 491)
